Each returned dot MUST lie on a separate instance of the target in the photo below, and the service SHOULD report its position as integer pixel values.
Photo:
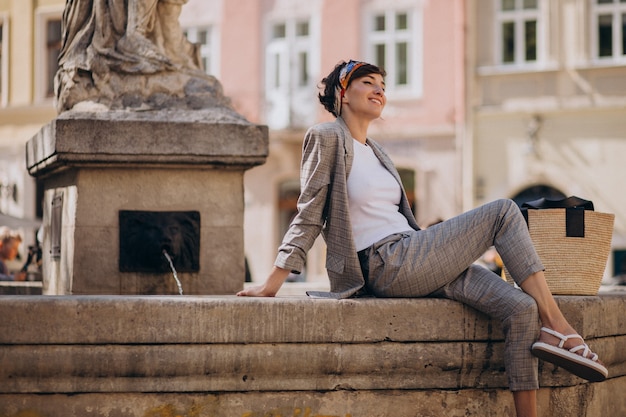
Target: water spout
(169, 259)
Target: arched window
(538, 191)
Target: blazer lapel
(388, 164)
(384, 159)
(348, 145)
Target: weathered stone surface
(228, 356)
(216, 136)
(579, 400)
(101, 319)
(229, 319)
(98, 163)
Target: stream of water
(169, 259)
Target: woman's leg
(549, 312)
(440, 256)
(426, 260)
(517, 311)
(433, 260)
(522, 265)
(525, 403)
(485, 291)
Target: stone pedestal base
(92, 165)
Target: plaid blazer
(327, 155)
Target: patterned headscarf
(344, 79)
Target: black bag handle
(574, 212)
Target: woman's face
(365, 96)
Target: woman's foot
(570, 352)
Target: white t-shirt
(374, 197)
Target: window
(289, 83)
(53, 48)
(394, 43)
(4, 71)
(407, 176)
(609, 29)
(47, 47)
(518, 24)
(203, 37)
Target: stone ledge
(284, 350)
(252, 367)
(585, 400)
(216, 136)
(101, 319)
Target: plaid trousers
(438, 262)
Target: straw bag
(573, 242)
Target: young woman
(352, 194)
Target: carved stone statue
(130, 54)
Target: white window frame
(4, 60)
(42, 16)
(616, 9)
(210, 50)
(290, 104)
(519, 16)
(413, 36)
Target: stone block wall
(220, 356)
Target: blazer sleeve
(318, 153)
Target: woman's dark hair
(331, 82)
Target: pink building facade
(270, 56)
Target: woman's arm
(317, 163)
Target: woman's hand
(271, 286)
(256, 291)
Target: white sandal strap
(586, 351)
(565, 338)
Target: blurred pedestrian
(9, 245)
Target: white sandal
(582, 366)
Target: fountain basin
(230, 356)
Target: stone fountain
(146, 155)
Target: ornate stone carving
(132, 54)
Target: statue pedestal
(95, 164)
